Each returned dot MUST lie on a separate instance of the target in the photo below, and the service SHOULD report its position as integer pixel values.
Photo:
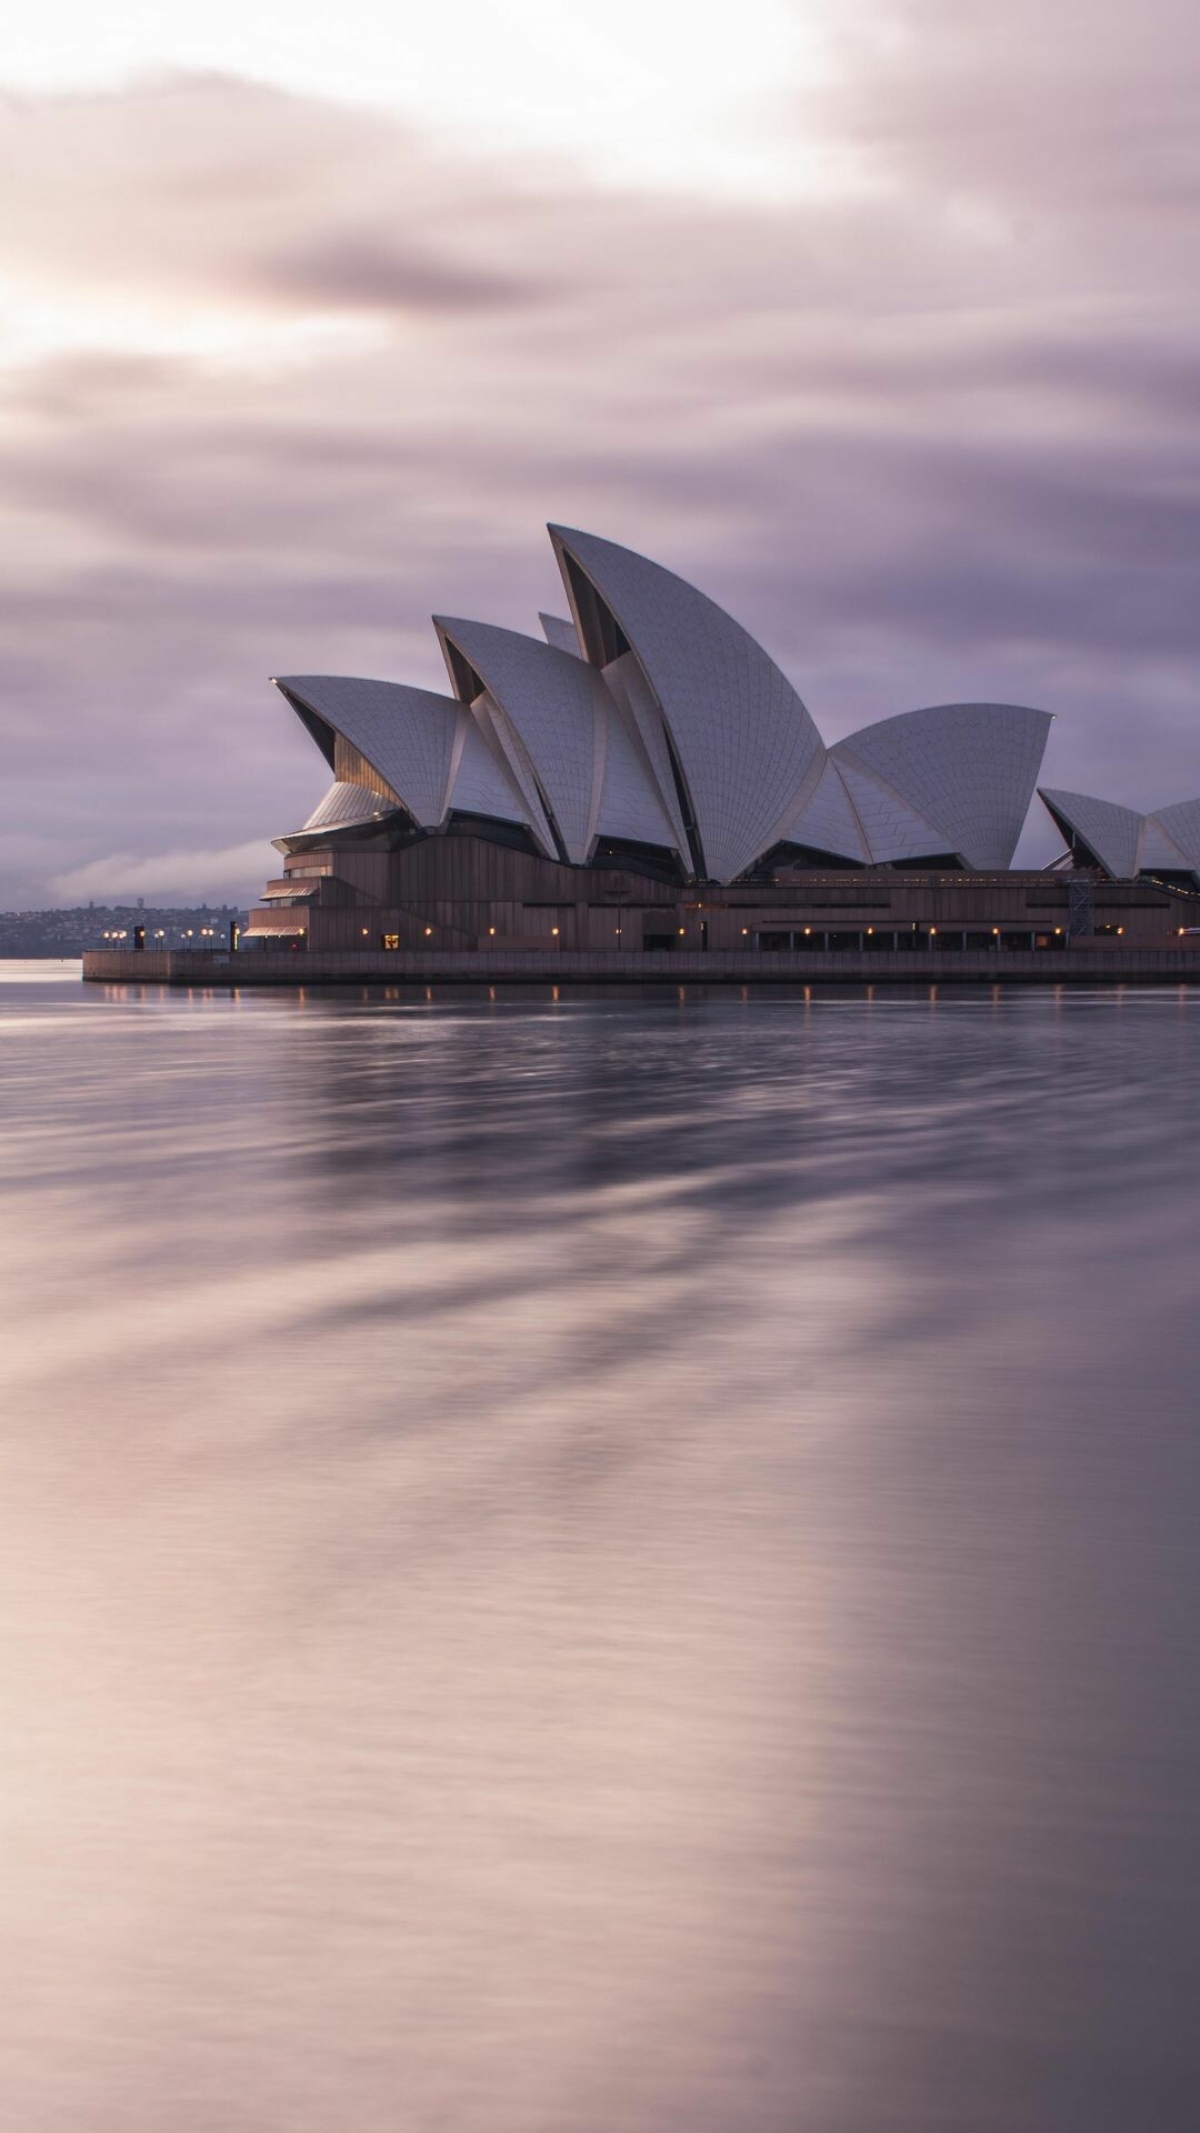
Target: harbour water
(598, 1564)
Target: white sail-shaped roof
(559, 632)
(557, 706)
(828, 822)
(969, 770)
(481, 784)
(405, 735)
(1157, 852)
(631, 810)
(1109, 832)
(642, 720)
(894, 831)
(747, 750)
(514, 761)
(1126, 843)
(1182, 825)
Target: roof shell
(560, 632)
(558, 707)
(1156, 851)
(631, 809)
(827, 821)
(406, 735)
(1110, 832)
(747, 749)
(969, 770)
(1182, 825)
(892, 827)
(481, 785)
(639, 716)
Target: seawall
(1080, 965)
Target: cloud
(348, 271)
(284, 378)
(223, 876)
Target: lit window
(391, 940)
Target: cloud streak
(166, 877)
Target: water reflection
(599, 1563)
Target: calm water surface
(599, 1565)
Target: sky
(880, 322)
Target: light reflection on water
(599, 1565)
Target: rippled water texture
(599, 1565)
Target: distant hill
(68, 931)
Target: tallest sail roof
(744, 752)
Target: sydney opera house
(643, 777)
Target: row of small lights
(932, 929)
(206, 933)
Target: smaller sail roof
(560, 632)
(556, 706)
(968, 770)
(1181, 822)
(828, 822)
(891, 825)
(1157, 852)
(481, 785)
(407, 736)
(1110, 833)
